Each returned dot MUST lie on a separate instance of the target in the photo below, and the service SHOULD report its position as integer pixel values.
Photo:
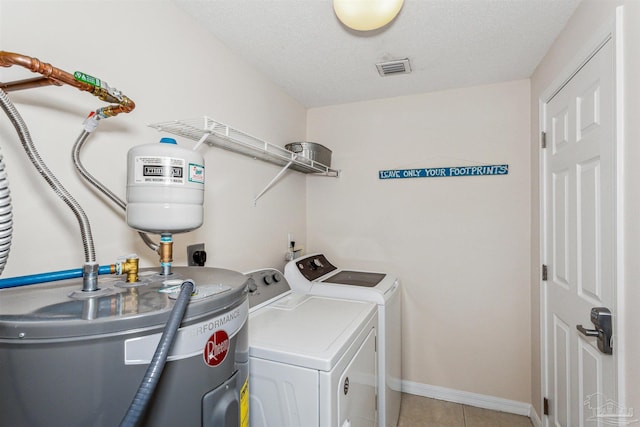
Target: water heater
(76, 359)
(165, 188)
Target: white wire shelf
(219, 135)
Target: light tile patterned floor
(417, 411)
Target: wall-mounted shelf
(219, 135)
(216, 134)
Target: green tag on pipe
(86, 78)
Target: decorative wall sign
(444, 172)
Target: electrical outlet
(196, 255)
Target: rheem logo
(216, 348)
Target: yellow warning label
(244, 404)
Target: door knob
(601, 318)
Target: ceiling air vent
(390, 68)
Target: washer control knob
(276, 277)
(316, 263)
(268, 279)
(252, 286)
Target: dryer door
(357, 387)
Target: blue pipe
(32, 279)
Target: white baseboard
(472, 399)
(535, 419)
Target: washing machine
(315, 275)
(73, 358)
(312, 360)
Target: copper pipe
(27, 84)
(58, 77)
(7, 59)
(125, 106)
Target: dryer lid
(307, 331)
(356, 278)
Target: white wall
(172, 69)
(591, 15)
(460, 245)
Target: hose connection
(129, 267)
(90, 276)
(166, 253)
(91, 122)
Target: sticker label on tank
(216, 349)
(159, 170)
(196, 173)
(244, 404)
(191, 340)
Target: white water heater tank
(165, 188)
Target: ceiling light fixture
(366, 15)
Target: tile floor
(417, 411)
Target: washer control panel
(265, 284)
(314, 266)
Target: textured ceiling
(302, 47)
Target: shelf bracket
(273, 181)
(201, 140)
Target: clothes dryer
(315, 275)
(312, 360)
